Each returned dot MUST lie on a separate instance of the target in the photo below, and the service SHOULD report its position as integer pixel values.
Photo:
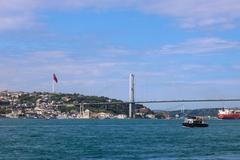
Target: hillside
(193, 112)
(54, 104)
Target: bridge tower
(131, 96)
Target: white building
(150, 116)
(121, 116)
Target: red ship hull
(228, 116)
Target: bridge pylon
(131, 96)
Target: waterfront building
(86, 114)
(103, 115)
(150, 116)
(121, 116)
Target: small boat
(194, 122)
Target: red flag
(55, 78)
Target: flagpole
(53, 86)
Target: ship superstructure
(229, 114)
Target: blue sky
(178, 49)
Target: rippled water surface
(117, 139)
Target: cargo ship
(229, 114)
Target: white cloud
(21, 14)
(17, 14)
(198, 13)
(230, 81)
(33, 71)
(237, 67)
(203, 68)
(15, 23)
(94, 4)
(117, 51)
(197, 46)
(190, 13)
(190, 47)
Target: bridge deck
(167, 101)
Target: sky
(177, 49)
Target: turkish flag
(55, 78)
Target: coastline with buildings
(44, 105)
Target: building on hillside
(103, 115)
(38, 110)
(86, 114)
(150, 116)
(121, 116)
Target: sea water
(117, 139)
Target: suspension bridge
(132, 101)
